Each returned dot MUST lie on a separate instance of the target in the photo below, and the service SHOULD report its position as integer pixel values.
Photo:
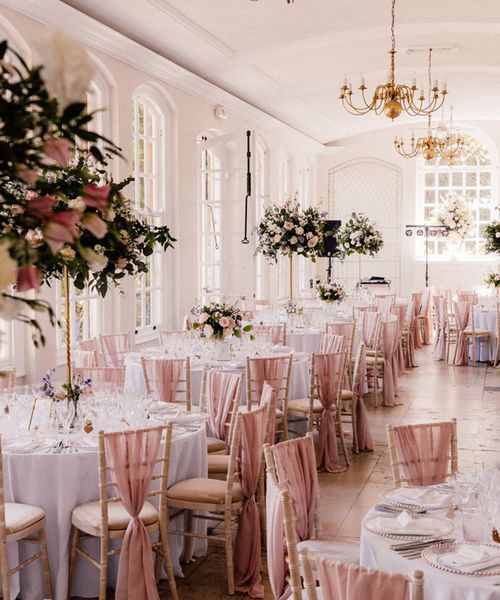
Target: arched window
(149, 123)
(473, 177)
(260, 195)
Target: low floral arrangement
(219, 320)
(292, 308)
(289, 230)
(456, 215)
(359, 236)
(71, 392)
(492, 279)
(330, 292)
(492, 238)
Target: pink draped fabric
(369, 321)
(276, 562)
(7, 379)
(247, 548)
(271, 370)
(417, 336)
(114, 375)
(114, 348)
(439, 352)
(467, 297)
(84, 358)
(220, 390)
(389, 338)
(341, 581)
(424, 451)
(131, 456)
(276, 332)
(343, 328)
(424, 312)
(268, 398)
(365, 440)
(461, 310)
(400, 311)
(328, 371)
(167, 375)
(331, 343)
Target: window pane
(444, 180)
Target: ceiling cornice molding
(56, 14)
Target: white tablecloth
(304, 341)
(486, 319)
(59, 482)
(299, 380)
(375, 553)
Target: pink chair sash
(296, 466)
(271, 370)
(417, 299)
(328, 371)
(341, 581)
(131, 456)
(7, 379)
(467, 297)
(276, 332)
(331, 343)
(247, 548)
(220, 389)
(389, 338)
(114, 348)
(424, 451)
(424, 311)
(84, 358)
(369, 322)
(365, 440)
(439, 352)
(461, 310)
(276, 562)
(343, 328)
(114, 375)
(167, 375)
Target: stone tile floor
(431, 391)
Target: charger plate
(389, 497)
(431, 555)
(445, 528)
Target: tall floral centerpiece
(492, 238)
(492, 279)
(219, 320)
(287, 230)
(456, 215)
(359, 236)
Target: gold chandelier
(391, 98)
(431, 146)
(455, 144)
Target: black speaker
(330, 245)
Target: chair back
(169, 379)
(369, 323)
(331, 343)
(275, 333)
(220, 394)
(417, 300)
(91, 345)
(268, 398)
(424, 302)
(132, 465)
(400, 310)
(114, 347)
(7, 379)
(359, 310)
(423, 454)
(344, 581)
(276, 371)
(345, 329)
(84, 358)
(467, 297)
(112, 375)
(384, 303)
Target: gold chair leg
(167, 561)
(103, 568)
(188, 547)
(44, 557)
(229, 552)
(72, 557)
(355, 442)
(4, 566)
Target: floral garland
(456, 215)
(492, 238)
(492, 279)
(289, 230)
(359, 236)
(219, 320)
(330, 292)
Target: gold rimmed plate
(388, 526)
(440, 556)
(418, 498)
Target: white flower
(8, 271)
(294, 240)
(497, 234)
(67, 69)
(208, 330)
(204, 317)
(277, 238)
(77, 204)
(299, 230)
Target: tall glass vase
(290, 281)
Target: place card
(40, 414)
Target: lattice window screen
(372, 187)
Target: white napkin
(19, 445)
(404, 524)
(471, 558)
(281, 348)
(421, 496)
(237, 364)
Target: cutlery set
(413, 550)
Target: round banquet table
(486, 319)
(59, 482)
(299, 379)
(375, 553)
(307, 340)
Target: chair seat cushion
(346, 395)
(215, 445)
(370, 360)
(87, 516)
(203, 491)
(477, 332)
(302, 405)
(278, 412)
(20, 516)
(333, 548)
(218, 463)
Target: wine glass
(65, 410)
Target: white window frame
(261, 197)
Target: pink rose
(61, 229)
(28, 279)
(288, 226)
(313, 241)
(29, 176)
(58, 150)
(41, 206)
(95, 225)
(96, 196)
(121, 263)
(224, 322)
